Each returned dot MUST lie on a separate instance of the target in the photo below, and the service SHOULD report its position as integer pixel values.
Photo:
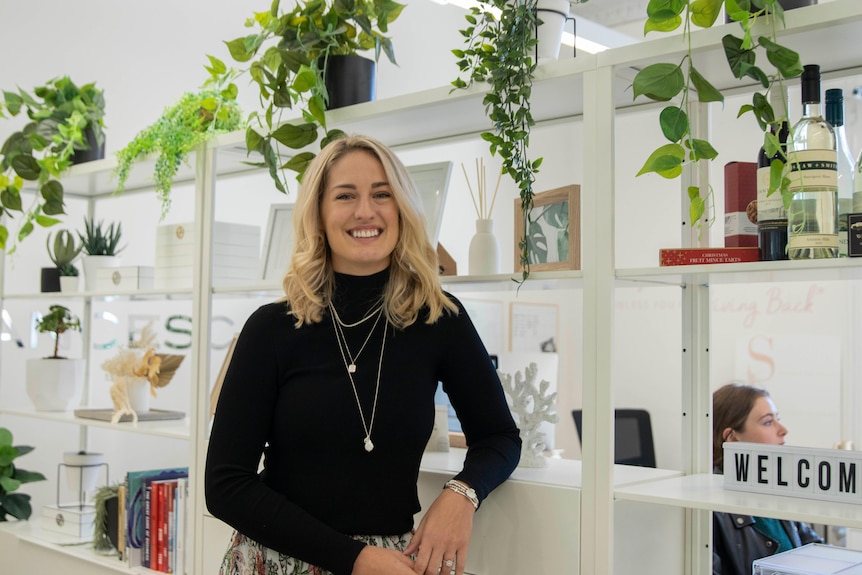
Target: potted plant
(290, 56)
(100, 244)
(63, 251)
(64, 119)
(13, 504)
(664, 82)
(500, 51)
(195, 118)
(53, 382)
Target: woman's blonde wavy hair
(413, 270)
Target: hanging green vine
(663, 82)
(500, 47)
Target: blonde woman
(334, 387)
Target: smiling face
(359, 214)
(761, 425)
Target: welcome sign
(824, 474)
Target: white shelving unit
(589, 495)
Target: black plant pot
(94, 152)
(50, 280)
(350, 80)
(786, 4)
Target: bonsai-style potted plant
(663, 82)
(53, 382)
(64, 119)
(63, 252)
(500, 50)
(13, 504)
(195, 118)
(290, 56)
(101, 246)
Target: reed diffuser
(484, 255)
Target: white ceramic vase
(82, 472)
(54, 384)
(92, 264)
(484, 255)
(138, 390)
(553, 14)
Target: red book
(699, 256)
(740, 204)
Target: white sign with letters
(824, 474)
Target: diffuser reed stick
(480, 197)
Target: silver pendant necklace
(367, 427)
(339, 328)
(354, 324)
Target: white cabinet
(584, 517)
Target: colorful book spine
(701, 256)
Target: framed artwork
(554, 235)
(278, 243)
(432, 182)
(533, 327)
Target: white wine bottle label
(814, 171)
(769, 207)
(812, 241)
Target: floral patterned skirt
(248, 557)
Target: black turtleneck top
(287, 395)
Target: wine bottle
(846, 164)
(857, 186)
(771, 215)
(813, 214)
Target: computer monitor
(633, 442)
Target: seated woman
(746, 413)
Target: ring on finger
(449, 563)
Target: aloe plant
(100, 241)
(64, 252)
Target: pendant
(351, 368)
(368, 445)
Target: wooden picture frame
(278, 242)
(556, 210)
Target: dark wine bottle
(771, 215)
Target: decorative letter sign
(825, 474)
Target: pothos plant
(664, 82)
(288, 53)
(500, 39)
(194, 118)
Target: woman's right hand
(379, 561)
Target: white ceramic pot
(138, 390)
(55, 384)
(92, 265)
(69, 284)
(484, 254)
(553, 14)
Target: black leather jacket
(736, 543)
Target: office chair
(633, 443)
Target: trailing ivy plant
(500, 45)
(195, 118)
(288, 53)
(663, 82)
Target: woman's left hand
(443, 536)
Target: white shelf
(558, 473)
(142, 294)
(173, 429)
(706, 492)
(28, 532)
(835, 269)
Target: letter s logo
(758, 354)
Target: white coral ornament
(531, 406)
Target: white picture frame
(432, 183)
(278, 242)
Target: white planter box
(71, 521)
(124, 279)
(235, 251)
